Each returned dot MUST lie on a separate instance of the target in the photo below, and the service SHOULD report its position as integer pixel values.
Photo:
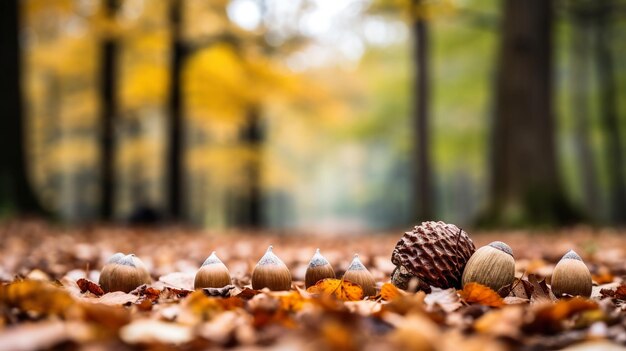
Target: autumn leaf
(339, 288)
(88, 285)
(389, 292)
(36, 296)
(480, 294)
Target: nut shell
(270, 272)
(319, 268)
(212, 274)
(435, 253)
(492, 265)
(122, 275)
(571, 277)
(358, 273)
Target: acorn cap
(319, 268)
(115, 258)
(492, 265)
(212, 274)
(122, 275)
(434, 253)
(571, 277)
(357, 273)
(271, 272)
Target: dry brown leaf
(480, 294)
(150, 331)
(36, 296)
(339, 288)
(88, 285)
(389, 292)
(549, 317)
(116, 298)
(448, 300)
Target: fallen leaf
(180, 280)
(116, 298)
(448, 299)
(480, 294)
(389, 292)
(40, 336)
(88, 285)
(339, 288)
(549, 317)
(36, 296)
(149, 331)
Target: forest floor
(49, 298)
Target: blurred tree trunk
(16, 192)
(525, 186)
(252, 136)
(580, 55)
(175, 162)
(108, 81)
(422, 187)
(608, 109)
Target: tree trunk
(608, 111)
(108, 81)
(525, 186)
(16, 192)
(175, 161)
(422, 193)
(580, 50)
(252, 136)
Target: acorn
(271, 272)
(571, 277)
(358, 273)
(432, 254)
(123, 275)
(319, 268)
(212, 274)
(492, 265)
(142, 267)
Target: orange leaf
(480, 294)
(389, 292)
(88, 285)
(339, 288)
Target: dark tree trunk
(175, 161)
(580, 57)
(608, 111)
(252, 136)
(422, 193)
(525, 186)
(16, 192)
(108, 81)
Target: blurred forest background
(344, 115)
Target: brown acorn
(122, 275)
(358, 273)
(434, 254)
(571, 277)
(271, 272)
(492, 265)
(142, 267)
(319, 268)
(212, 274)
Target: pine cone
(435, 253)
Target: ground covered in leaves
(49, 298)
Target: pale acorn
(492, 265)
(358, 273)
(212, 274)
(122, 275)
(571, 277)
(270, 272)
(319, 268)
